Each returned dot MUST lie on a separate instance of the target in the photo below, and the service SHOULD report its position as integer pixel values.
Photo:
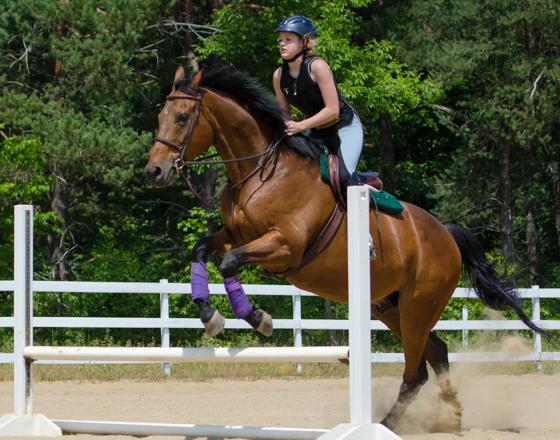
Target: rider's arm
(282, 101)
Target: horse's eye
(181, 118)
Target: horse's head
(183, 133)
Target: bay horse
(276, 203)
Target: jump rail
(190, 355)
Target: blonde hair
(311, 45)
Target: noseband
(179, 162)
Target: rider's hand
(293, 127)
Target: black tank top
(304, 93)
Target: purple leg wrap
(199, 282)
(238, 300)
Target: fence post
(23, 306)
(465, 316)
(359, 305)
(164, 314)
(298, 339)
(537, 342)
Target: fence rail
(297, 324)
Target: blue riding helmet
(298, 24)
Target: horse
(275, 204)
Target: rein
(271, 152)
(179, 162)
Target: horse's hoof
(265, 326)
(215, 324)
(260, 321)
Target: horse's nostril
(153, 172)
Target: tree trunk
(60, 269)
(507, 197)
(531, 228)
(207, 181)
(328, 315)
(532, 250)
(185, 13)
(215, 4)
(555, 171)
(387, 152)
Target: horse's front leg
(216, 244)
(270, 249)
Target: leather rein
(179, 162)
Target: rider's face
(290, 44)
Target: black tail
(495, 292)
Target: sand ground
(495, 407)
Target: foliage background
(459, 98)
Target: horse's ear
(179, 75)
(195, 81)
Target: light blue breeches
(351, 142)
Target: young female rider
(306, 82)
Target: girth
(321, 240)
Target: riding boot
(351, 180)
(354, 180)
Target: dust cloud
(495, 404)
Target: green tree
(498, 62)
(22, 162)
(82, 79)
(384, 91)
(79, 86)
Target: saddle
(370, 178)
(380, 200)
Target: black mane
(250, 93)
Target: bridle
(179, 162)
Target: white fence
(296, 324)
(24, 250)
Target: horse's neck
(237, 135)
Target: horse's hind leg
(415, 374)
(435, 353)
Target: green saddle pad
(381, 200)
(385, 202)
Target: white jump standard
(23, 422)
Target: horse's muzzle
(157, 175)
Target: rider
(306, 82)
